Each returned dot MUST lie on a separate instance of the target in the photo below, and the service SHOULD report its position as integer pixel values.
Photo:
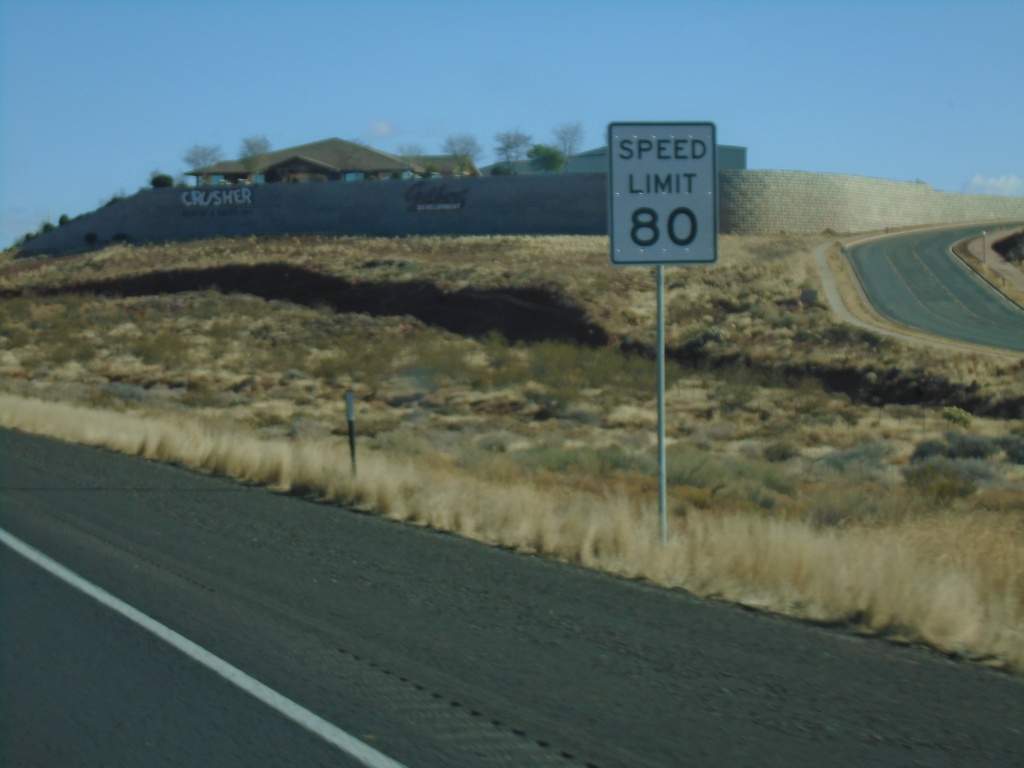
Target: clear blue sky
(94, 95)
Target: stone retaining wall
(512, 205)
(765, 202)
(750, 202)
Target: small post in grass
(350, 414)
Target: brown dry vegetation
(505, 391)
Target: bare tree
(512, 145)
(464, 148)
(202, 155)
(569, 137)
(411, 150)
(251, 153)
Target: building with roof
(432, 198)
(728, 158)
(443, 165)
(328, 160)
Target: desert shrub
(781, 450)
(776, 248)
(557, 458)
(128, 392)
(688, 496)
(566, 369)
(759, 496)
(438, 362)
(847, 334)
(929, 449)
(402, 443)
(16, 337)
(875, 340)
(945, 478)
(163, 348)
(494, 467)
(864, 456)
(859, 503)
(829, 516)
(978, 471)
(74, 348)
(752, 473)
(331, 366)
(958, 417)
(734, 396)
(750, 481)
(964, 446)
(957, 446)
(1014, 447)
(201, 395)
(614, 457)
(363, 361)
(17, 309)
(765, 312)
(687, 466)
(505, 365)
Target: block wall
(511, 205)
(750, 202)
(765, 202)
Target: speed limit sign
(662, 193)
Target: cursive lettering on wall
(424, 196)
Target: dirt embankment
(891, 386)
(530, 315)
(520, 315)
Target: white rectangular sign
(662, 193)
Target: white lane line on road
(329, 732)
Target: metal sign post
(662, 209)
(662, 463)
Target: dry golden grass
(783, 494)
(915, 581)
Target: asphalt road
(82, 685)
(434, 650)
(914, 280)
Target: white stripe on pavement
(330, 733)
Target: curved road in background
(915, 280)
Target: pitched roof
(333, 154)
(598, 152)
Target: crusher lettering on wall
(205, 198)
(662, 193)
